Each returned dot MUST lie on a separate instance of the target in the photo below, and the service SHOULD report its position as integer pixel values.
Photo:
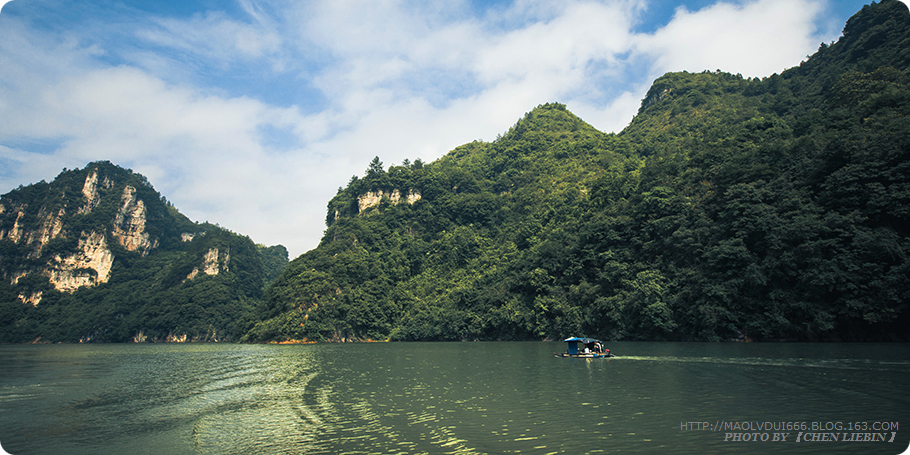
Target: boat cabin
(589, 348)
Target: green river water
(458, 398)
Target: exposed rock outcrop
(209, 336)
(172, 338)
(212, 263)
(90, 191)
(654, 96)
(15, 233)
(50, 226)
(371, 198)
(88, 267)
(32, 298)
(129, 223)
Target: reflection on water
(459, 398)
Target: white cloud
(564, 45)
(399, 80)
(24, 164)
(215, 37)
(755, 39)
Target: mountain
(99, 255)
(729, 208)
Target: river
(458, 398)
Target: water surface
(460, 398)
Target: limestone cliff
(90, 191)
(33, 223)
(373, 198)
(212, 263)
(129, 223)
(97, 255)
(49, 226)
(88, 266)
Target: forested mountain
(730, 208)
(99, 255)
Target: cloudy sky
(252, 113)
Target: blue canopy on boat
(582, 340)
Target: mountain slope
(99, 255)
(730, 208)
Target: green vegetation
(729, 208)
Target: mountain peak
(549, 118)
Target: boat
(593, 349)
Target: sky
(251, 114)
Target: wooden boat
(593, 349)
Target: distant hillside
(99, 255)
(730, 208)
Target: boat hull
(585, 356)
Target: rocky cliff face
(97, 255)
(50, 225)
(373, 198)
(129, 224)
(90, 191)
(89, 266)
(213, 262)
(36, 222)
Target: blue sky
(251, 113)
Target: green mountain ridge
(730, 208)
